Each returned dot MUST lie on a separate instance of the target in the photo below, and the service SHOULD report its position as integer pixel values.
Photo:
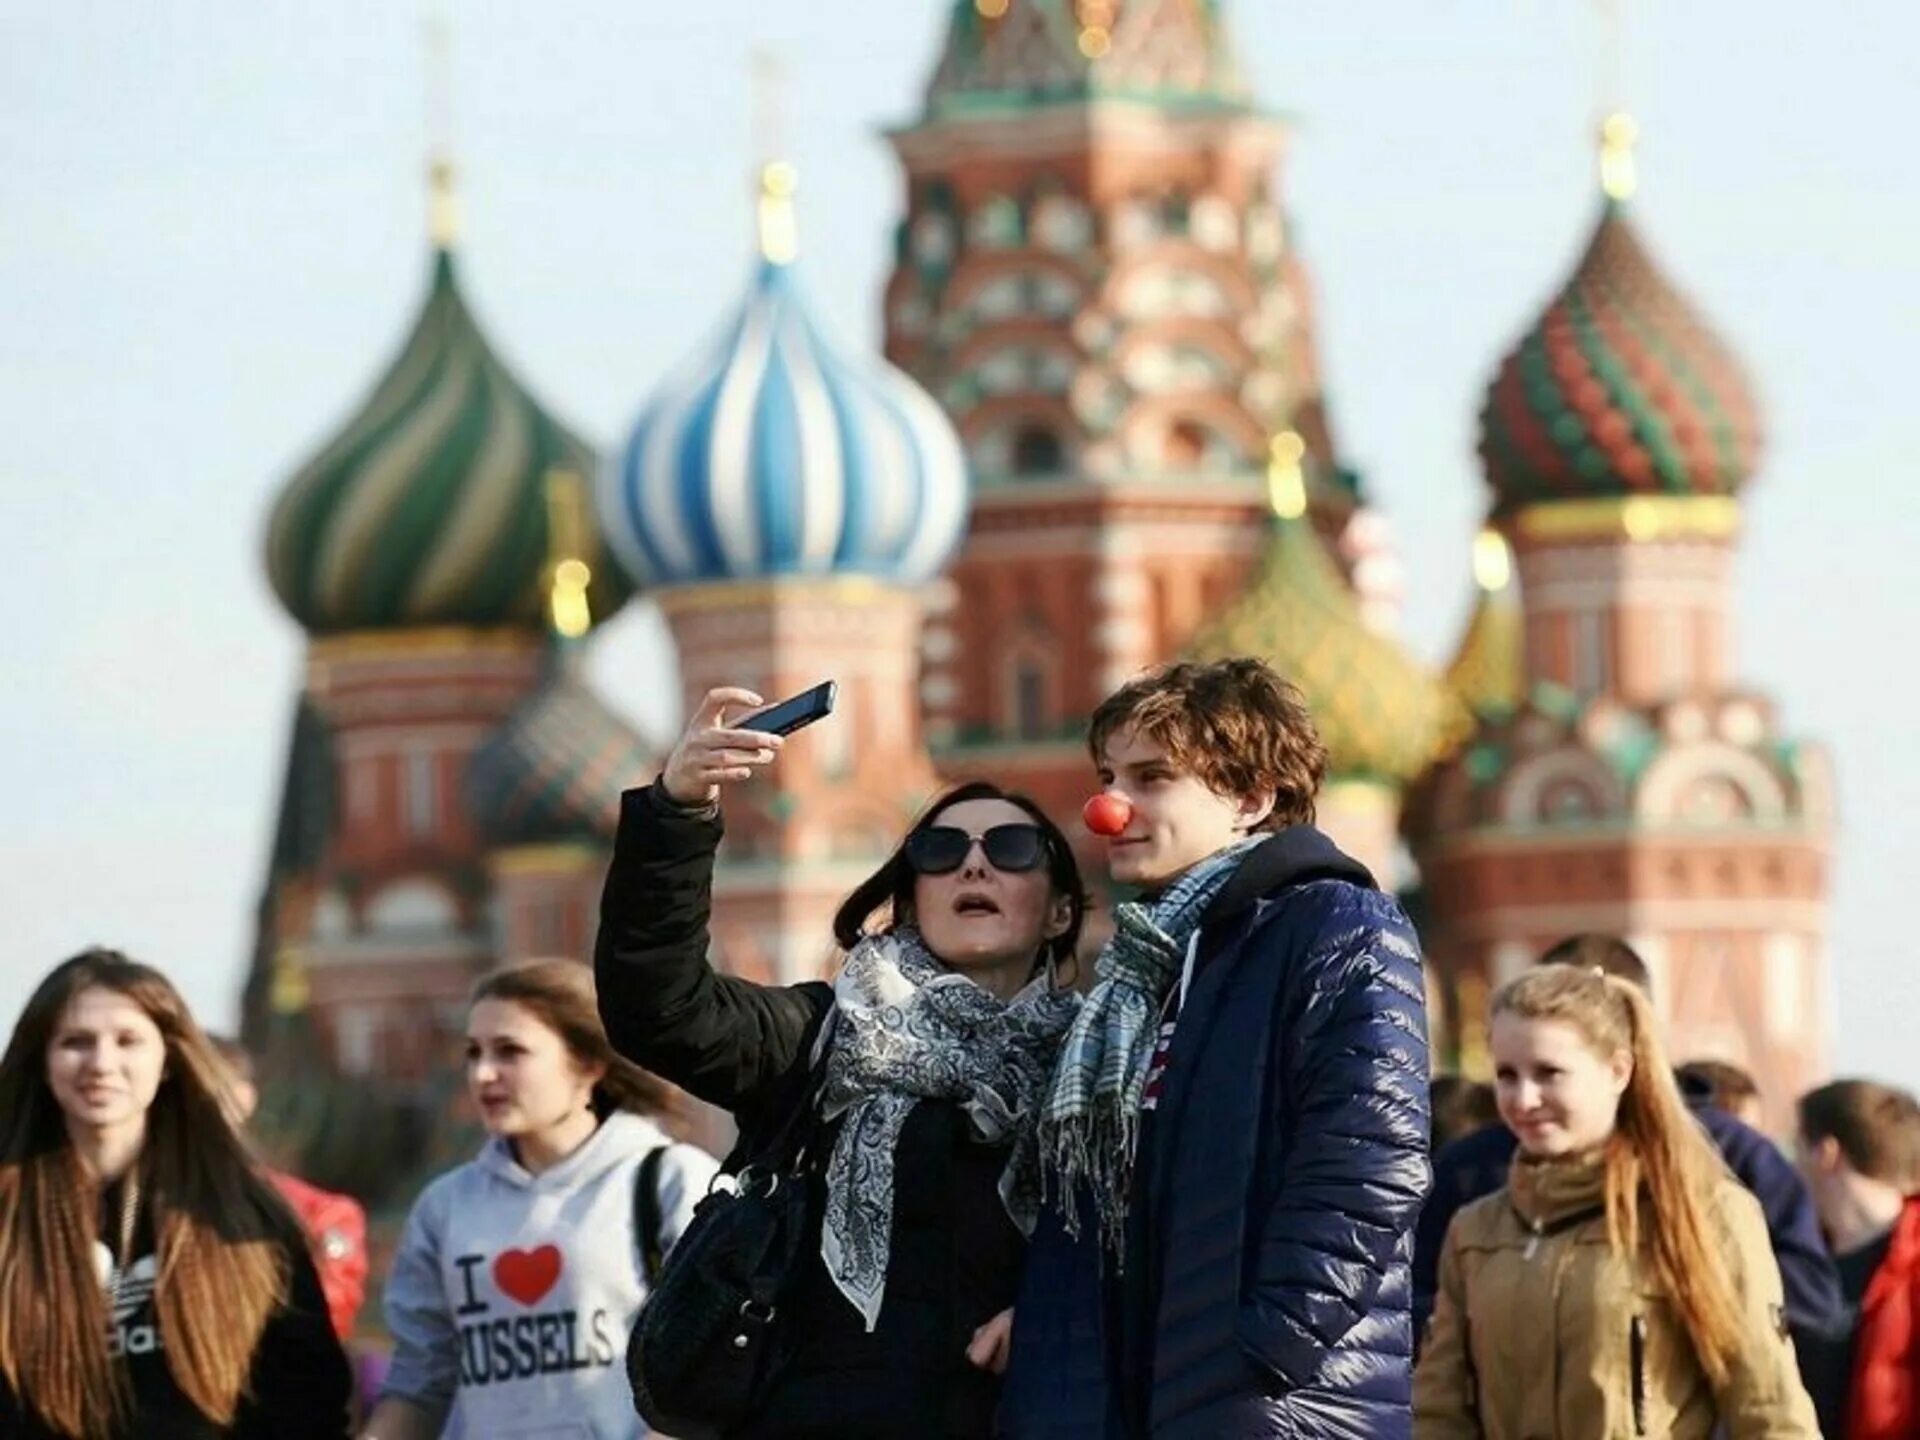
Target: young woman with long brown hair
(520, 1272)
(1622, 1284)
(156, 1287)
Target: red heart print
(526, 1275)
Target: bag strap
(647, 1219)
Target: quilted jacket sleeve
(1353, 1127)
(719, 1037)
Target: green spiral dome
(429, 507)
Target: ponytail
(1659, 1163)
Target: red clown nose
(1106, 814)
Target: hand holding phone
(714, 750)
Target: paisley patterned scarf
(905, 1028)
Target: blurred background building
(1100, 437)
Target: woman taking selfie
(919, 1070)
(520, 1272)
(1622, 1284)
(156, 1287)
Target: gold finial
(991, 9)
(287, 989)
(568, 575)
(1286, 480)
(443, 205)
(1618, 132)
(1492, 561)
(1096, 27)
(779, 232)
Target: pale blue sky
(211, 238)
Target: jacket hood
(621, 1137)
(1288, 857)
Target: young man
(1478, 1164)
(1860, 1151)
(1240, 1113)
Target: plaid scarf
(1090, 1125)
(905, 1029)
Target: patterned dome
(427, 507)
(1007, 53)
(556, 769)
(773, 455)
(1381, 715)
(1618, 389)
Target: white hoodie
(512, 1294)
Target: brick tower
(787, 507)
(1635, 787)
(1094, 276)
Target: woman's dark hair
(890, 888)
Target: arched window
(1186, 445)
(1037, 451)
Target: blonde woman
(1622, 1284)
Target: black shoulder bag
(711, 1335)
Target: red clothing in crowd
(339, 1229)
(1884, 1403)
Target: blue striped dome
(772, 455)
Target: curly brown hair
(1237, 726)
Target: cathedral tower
(787, 506)
(413, 549)
(1094, 276)
(1636, 788)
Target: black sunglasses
(942, 849)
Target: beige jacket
(1540, 1333)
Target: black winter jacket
(745, 1047)
(1265, 1291)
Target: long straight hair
(1660, 1167)
(560, 994)
(889, 890)
(223, 1238)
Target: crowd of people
(1209, 1189)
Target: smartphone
(794, 714)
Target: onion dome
(1619, 388)
(556, 769)
(1488, 670)
(772, 455)
(425, 509)
(1019, 53)
(1381, 715)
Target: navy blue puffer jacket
(1265, 1291)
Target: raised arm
(1356, 1173)
(719, 1037)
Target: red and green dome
(1618, 389)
